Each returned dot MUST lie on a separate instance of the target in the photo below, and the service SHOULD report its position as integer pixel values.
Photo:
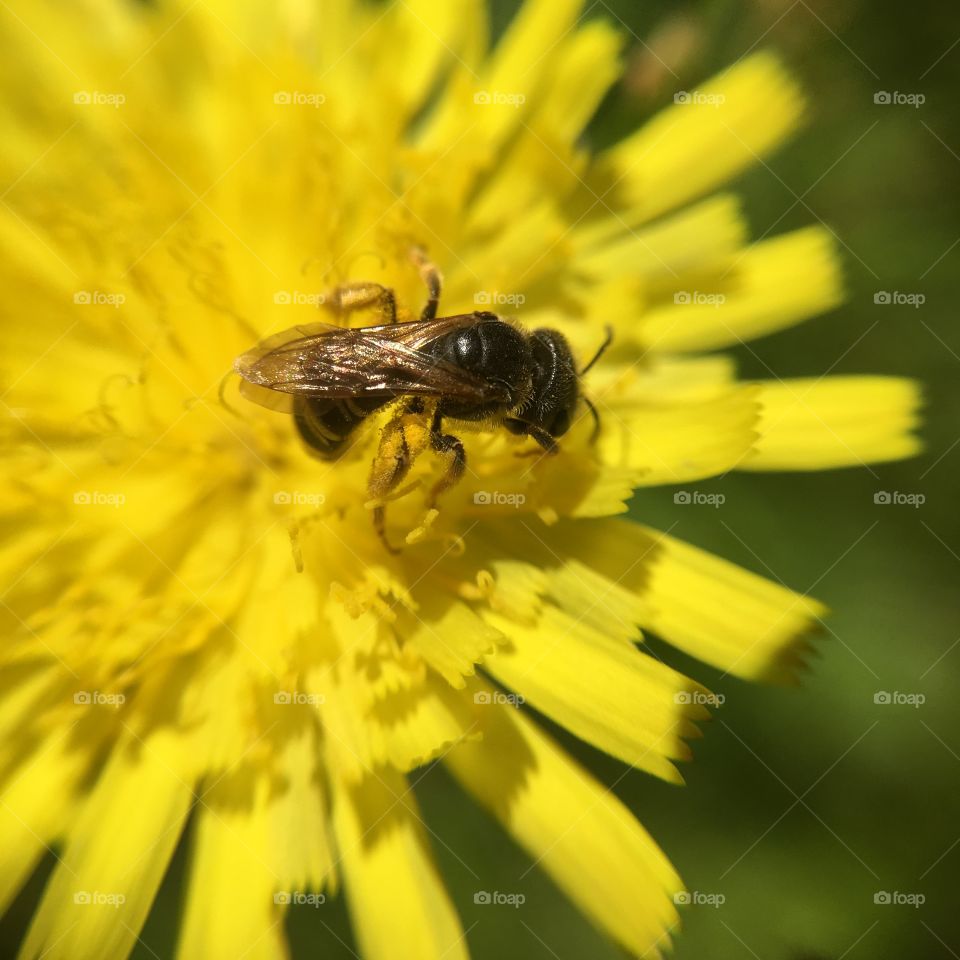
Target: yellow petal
(544, 152)
(397, 900)
(693, 239)
(816, 424)
(768, 287)
(98, 898)
(690, 148)
(675, 442)
(711, 609)
(451, 638)
(415, 725)
(299, 849)
(598, 687)
(34, 808)
(234, 907)
(573, 827)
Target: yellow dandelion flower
(203, 620)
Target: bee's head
(556, 384)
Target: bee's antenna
(595, 433)
(607, 340)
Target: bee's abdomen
(326, 425)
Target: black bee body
(531, 386)
(325, 425)
(468, 367)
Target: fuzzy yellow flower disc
(201, 621)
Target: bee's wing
(254, 383)
(320, 360)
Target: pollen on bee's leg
(381, 501)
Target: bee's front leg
(548, 445)
(450, 447)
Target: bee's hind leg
(403, 439)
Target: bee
(467, 367)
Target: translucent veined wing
(321, 360)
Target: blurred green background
(802, 803)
